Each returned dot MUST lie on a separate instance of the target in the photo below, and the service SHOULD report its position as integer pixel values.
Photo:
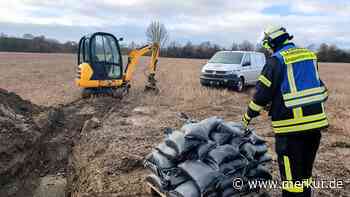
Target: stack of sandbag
(203, 158)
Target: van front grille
(220, 72)
(213, 76)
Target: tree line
(204, 50)
(30, 43)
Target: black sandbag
(238, 164)
(156, 182)
(260, 172)
(204, 149)
(221, 138)
(205, 126)
(248, 150)
(264, 158)
(256, 139)
(203, 175)
(211, 123)
(197, 134)
(222, 154)
(162, 174)
(238, 141)
(187, 189)
(160, 160)
(214, 194)
(167, 151)
(230, 192)
(167, 131)
(235, 128)
(176, 180)
(192, 143)
(196, 130)
(176, 140)
(260, 149)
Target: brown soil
(105, 154)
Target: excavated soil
(36, 142)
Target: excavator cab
(102, 52)
(100, 65)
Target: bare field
(107, 160)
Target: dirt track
(107, 160)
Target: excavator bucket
(151, 85)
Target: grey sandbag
(176, 140)
(160, 160)
(260, 172)
(186, 189)
(204, 149)
(156, 182)
(248, 150)
(203, 175)
(264, 158)
(222, 154)
(168, 152)
(260, 149)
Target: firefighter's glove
(245, 121)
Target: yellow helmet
(274, 36)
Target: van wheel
(241, 85)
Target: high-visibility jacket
(290, 82)
(301, 85)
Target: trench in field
(36, 143)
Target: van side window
(247, 60)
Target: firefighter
(290, 84)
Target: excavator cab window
(105, 55)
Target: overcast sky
(218, 21)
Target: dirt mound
(37, 141)
(19, 135)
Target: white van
(234, 69)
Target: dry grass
(337, 78)
(47, 79)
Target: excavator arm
(133, 59)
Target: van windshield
(227, 58)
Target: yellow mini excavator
(100, 65)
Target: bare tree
(157, 33)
